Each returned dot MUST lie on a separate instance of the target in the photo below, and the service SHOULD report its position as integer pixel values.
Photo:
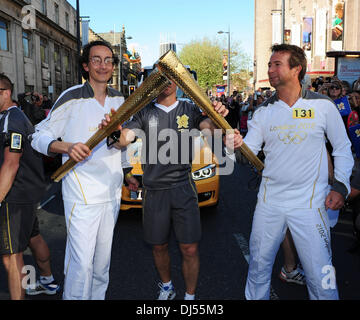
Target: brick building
(38, 45)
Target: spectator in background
(323, 89)
(318, 83)
(354, 100)
(268, 94)
(345, 88)
(233, 107)
(356, 85)
(47, 103)
(31, 104)
(335, 91)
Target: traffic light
(131, 89)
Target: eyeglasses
(97, 60)
(334, 88)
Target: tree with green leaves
(206, 57)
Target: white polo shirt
(75, 117)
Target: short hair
(339, 6)
(297, 57)
(86, 55)
(6, 83)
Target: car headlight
(204, 173)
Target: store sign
(348, 69)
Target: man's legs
(162, 264)
(290, 272)
(162, 261)
(82, 223)
(268, 231)
(289, 252)
(41, 253)
(311, 233)
(190, 266)
(103, 247)
(14, 264)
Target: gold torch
(175, 70)
(149, 90)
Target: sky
(181, 21)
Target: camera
(35, 98)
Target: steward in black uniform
(21, 186)
(18, 218)
(170, 196)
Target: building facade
(38, 45)
(125, 77)
(318, 26)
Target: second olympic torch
(149, 90)
(172, 67)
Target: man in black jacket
(31, 103)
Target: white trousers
(88, 249)
(311, 234)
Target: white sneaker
(166, 292)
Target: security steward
(21, 186)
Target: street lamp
(228, 64)
(120, 64)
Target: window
(44, 50)
(4, 36)
(26, 44)
(67, 24)
(57, 18)
(57, 60)
(43, 6)
(67, 61)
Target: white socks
(189, 296)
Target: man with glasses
(92, 190)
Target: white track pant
(88, 249)
(311, 233)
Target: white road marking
(244, 247)
(46, 202)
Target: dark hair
(86, 54)
(297, 57)
(6, 82)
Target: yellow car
(205, 172)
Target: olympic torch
(172, 67)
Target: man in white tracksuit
(294, 189)
(92, 190)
